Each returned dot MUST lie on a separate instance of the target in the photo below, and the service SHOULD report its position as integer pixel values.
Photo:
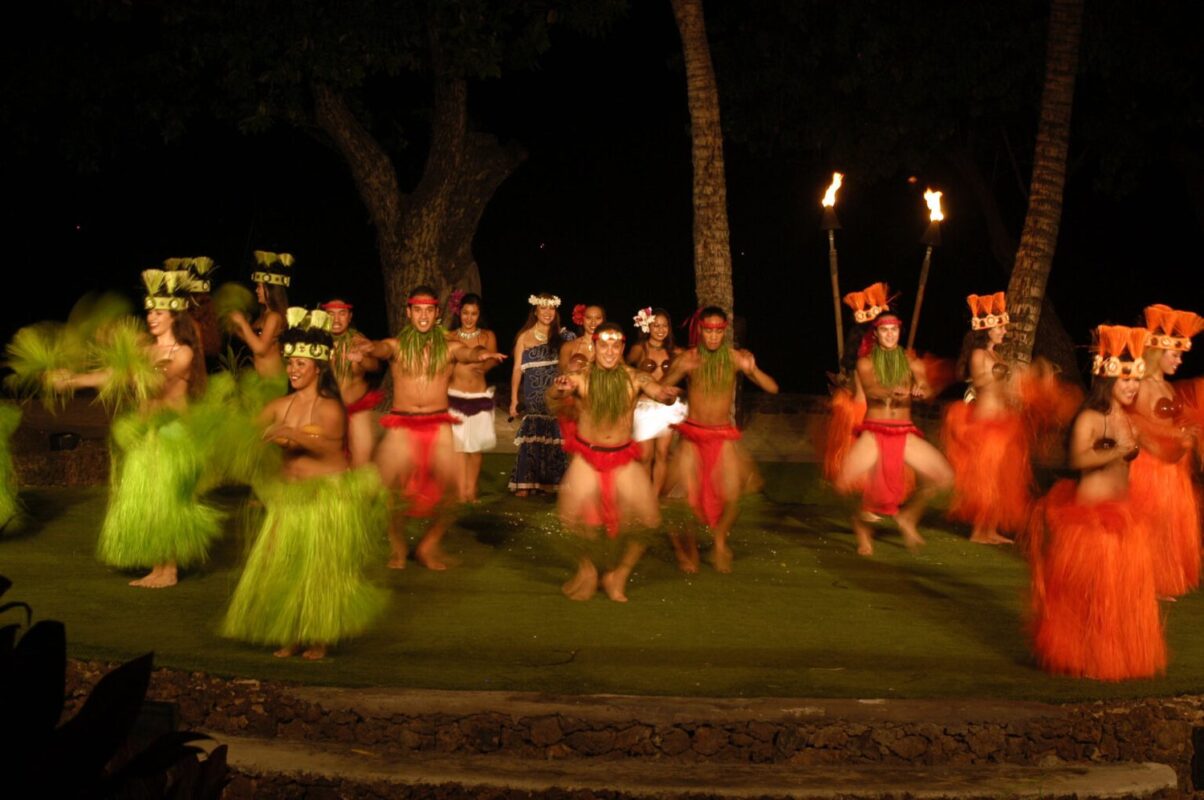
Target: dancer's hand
(489, 354)
(669, 394)
(513, 409)
(62, 379)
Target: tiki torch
(831, 224)
(931, 238)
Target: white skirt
(653, 418)
(475, 432)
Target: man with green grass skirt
(417, 455)
(605, 485)
(888, 440)
(709, 464)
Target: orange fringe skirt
(1166, 496)
(845, 414)
(991, 471)
(1095, 613)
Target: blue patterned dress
(541, 459)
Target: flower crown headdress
(166, 290)
(274, 268)
(1118, 352)
(1171, 329)
(988, 311)
(551, 301)
(308, 334)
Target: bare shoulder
(330, 410)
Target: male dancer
(352, 375)
(713, 468)
(605, 483)
(889, 440)
(416, 454)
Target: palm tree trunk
(712, 247)
(1039, 239)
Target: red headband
(868, 340)
(887, 319)
(695, 324)
(422, 300)
(336, 305)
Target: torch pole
(834, 272)
(931, 238)
(915, 314)
(831, 224)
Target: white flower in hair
(643, 319)
(544, 302)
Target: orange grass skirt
(1095, 612)
(1166, 498)
(991, 471)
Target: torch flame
(933, 199)
(830, 196)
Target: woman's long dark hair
(185, 331)
(554, 338)
(470, 299)
(277, 297)
(670, 346)
(1099, 396)
(973, 340)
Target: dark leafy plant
(87, 756)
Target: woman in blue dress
(541, 460)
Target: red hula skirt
(1095, 612)
(991, 470)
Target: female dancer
(577, 354)
(1160, 483)
(468, 398)
(303, 585)
(271, 283)
(985, 438)
(1095, 610)
(154, 517)
(654, 420)
(541, 461)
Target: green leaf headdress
(166, 290)
(308, 334)
(274, 268)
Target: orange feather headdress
(1171, 329)
(1118, 351)
(868, 304)
(988, 311)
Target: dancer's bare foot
(911, 535)
(521, 493)
(685, 548)
(864, 536)
(315, 652)
(429, 555)
(160, 577)
(614, 583)
(721, 558)
(989, 537)
(583, 585)
(287, 652)
(397, 561)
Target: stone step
(268, 768)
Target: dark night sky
(600, 212)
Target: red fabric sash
(366, 403)
(887, 487)
(708, 440)
(605, 461)
(422, 490)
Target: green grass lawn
(802, 615)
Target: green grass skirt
(10, 507)
(154, 514)
(304, 579)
